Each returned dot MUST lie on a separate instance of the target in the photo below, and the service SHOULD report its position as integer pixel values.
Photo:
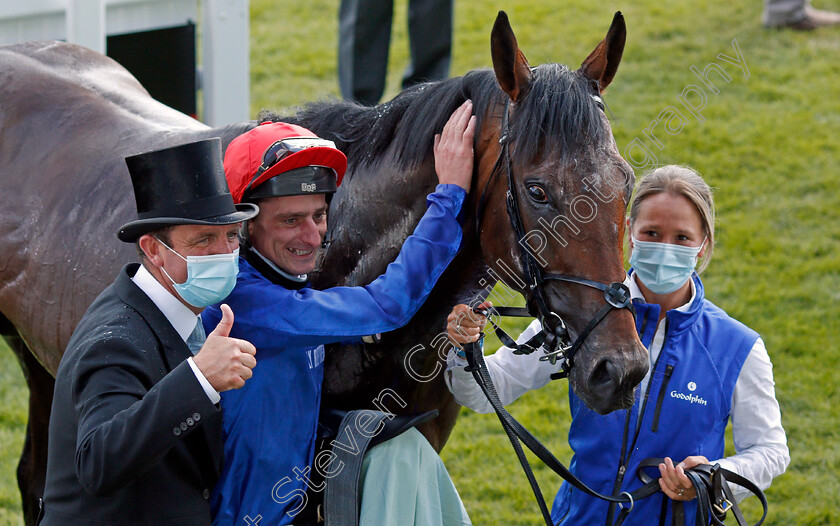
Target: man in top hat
(270, 426)
(135, 433)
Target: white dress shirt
(760, 440)
(179, 315)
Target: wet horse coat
(69, 116)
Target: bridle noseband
(710, 482)
(556, 343)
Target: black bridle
(556, 343)
(710, 482)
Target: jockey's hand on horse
(226, 362)
(674, 481)
(454, 148)
(464, 325)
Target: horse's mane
(557, 112)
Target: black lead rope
(718, 497)
(528, 347)
(557, 345)
(557, 342)
(714, 497)
(516, 432)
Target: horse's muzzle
(611, 383)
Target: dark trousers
(365, 36)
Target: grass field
(767, 142)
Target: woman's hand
(463, 325)
(674, 481)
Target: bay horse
(68, 117)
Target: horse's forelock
(557, 115)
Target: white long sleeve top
(760, 441)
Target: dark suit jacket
(133, 437)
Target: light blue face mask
(210, 279)
(663, 267)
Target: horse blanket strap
(343, 494)
(714, 497)
(516, 432)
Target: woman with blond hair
(706, 368)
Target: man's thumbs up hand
(226, 362)
(225, 324)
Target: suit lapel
(173, 351)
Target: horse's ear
(510, 65)
(602, 63)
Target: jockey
(270, 426)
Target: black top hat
(181, 185)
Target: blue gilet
(684, 412)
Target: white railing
(225, 73)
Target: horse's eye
(537, 193)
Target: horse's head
(551, 162)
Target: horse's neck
(370, 219)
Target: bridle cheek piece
(710, 482)
(556, 343)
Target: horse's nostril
(604, 378)
(611, 382)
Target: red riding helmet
(308, 164)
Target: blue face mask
(663, 267)
(210, 279)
